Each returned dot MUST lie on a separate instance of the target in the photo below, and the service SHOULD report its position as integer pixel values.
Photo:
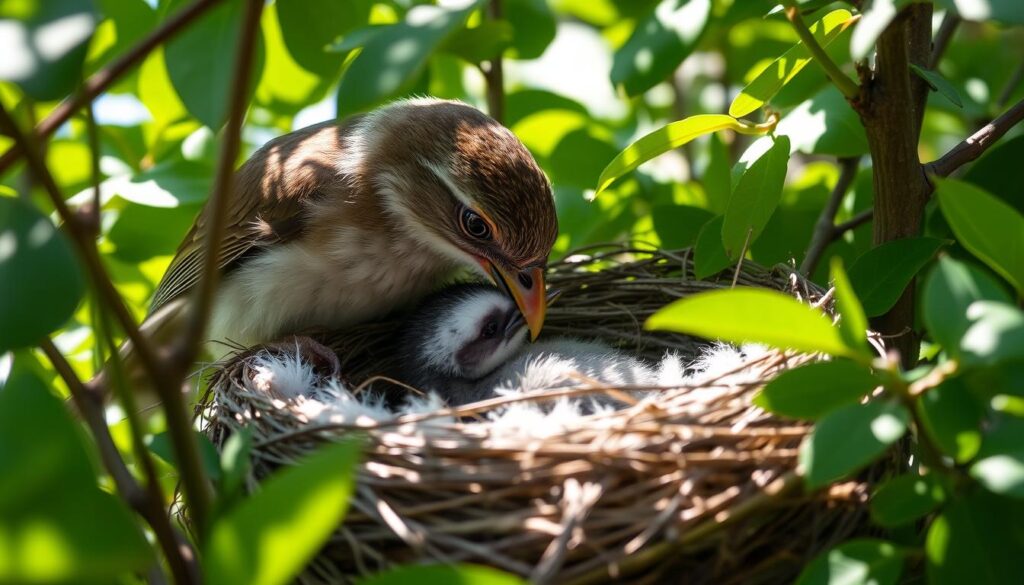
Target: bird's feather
(268, 204)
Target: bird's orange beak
(526, 288)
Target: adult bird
(338, 223)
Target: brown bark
(891, 108)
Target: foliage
(622, 102)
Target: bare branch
(1011, 86)
(202, 305)
(842, 81)
(167, 384)
(973, 146)
(179, 554)
(494, 73)
(854, 222)
(950, 22)
(824, 230)
(106, 77)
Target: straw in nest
(690, 479)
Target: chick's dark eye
(490, 329)
(474, 225)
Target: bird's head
(466, 187)
(464, 332)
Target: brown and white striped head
(464, 186)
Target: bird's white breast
(359, 275)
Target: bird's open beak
(526, 288)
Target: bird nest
(687, 480)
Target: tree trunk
(891, 108)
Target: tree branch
(976, 144)
(825, 229)
(855, 222)
(846, 85)
(179, 554)
(106, 77)
(494, 73)
(950, 22)
(191, 343)
(203, 299)
(1011, 85)
(166, 383)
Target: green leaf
(709, 255)
(717, 177)
(853, 325)
(999, 172)
(128, 21)
(235, 463)
(905, 498)
(481, 42)
(743, 315)
(951, 417)
(44, 44)
(996, 334)
(393, 59)
(443, 575)
(161, 445)
(816, 389)
(972, 542)
(286, 87)
(938, 83)
(172, 183)
(533, 27)
(578, 158)
(267, 538)
(755, 198)
(882, 273)
(142, 232)
(659, 44)
(309, 26)
(665, 139)
(1000, 463)
(825, 124)
(951, 287)
(55, 523)
(201, 61)
(862, 561)
(677, 226)
(41, 275)
(990, 229)
(850, 438)
(785, 68)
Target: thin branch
(855, 222)
(84, 241)
(973, 146)
(825, 229)
(1011, 86)
(494, 73)
(179, 554)
(842, 81)
(106, 77)
(91, 217)
(950, 22)
(167, 385)
(202, 305)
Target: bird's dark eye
(490, 329)
(474, 225)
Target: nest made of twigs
(692, 483)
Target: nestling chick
(466, 343)
(338, 223)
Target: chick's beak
(527, 289)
